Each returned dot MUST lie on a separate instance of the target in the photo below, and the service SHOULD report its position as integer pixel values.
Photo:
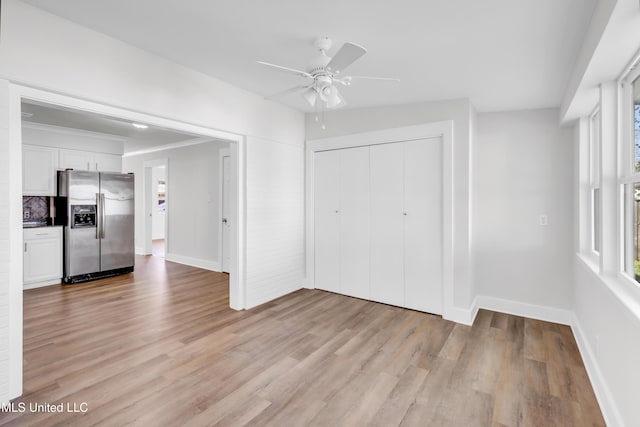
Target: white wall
(275, 214)
(158, 219)
(46, 52)
(609, 335)
(193, 181)
(523, 168)
(370, 119)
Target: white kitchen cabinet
(75, 159)
(107, 162)
(39, 166)
(86, 160)
(42, 256)
(378, 223)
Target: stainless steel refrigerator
(97, 211)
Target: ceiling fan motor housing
(318, 65)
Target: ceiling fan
(325, 73)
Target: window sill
(591, 260)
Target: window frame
(627, 172)
(595, 223)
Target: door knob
(224, 220)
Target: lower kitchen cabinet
(42, 256)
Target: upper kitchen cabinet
(39, 165)
(75, 159)
(107, 162)
(85, 160)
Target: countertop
(38, 226)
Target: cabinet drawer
(42, 233)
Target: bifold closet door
(326, 219)
(423, 225)
(387, 252)
(354, 222)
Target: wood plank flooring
(160, 347)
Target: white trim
(464, 316)
(41, 284)
(76, 132)
(442, 129)
(237, 277)
(171, 146)
(222, 153)
(533, 311)
(15, 244)
(606, 401)
(193, 262)
(139, 251)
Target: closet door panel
(326, 214)
(423, 225)
(387, 282)
(354, 222)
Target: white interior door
(327, 220)
(387, 257)
(423, 225)
(226, 215)
(354, 222)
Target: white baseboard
(607, 404)
(548, 314)
(193, 262)
(139, 250)
(461, 315)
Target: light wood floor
(162, 348)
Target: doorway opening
(124, 119)
(158, 228)
(156, 202)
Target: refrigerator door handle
(103, 217)
(99, 209)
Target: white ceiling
(134, 139)
(502, 54)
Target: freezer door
(81, 251)
(116, 221)
(80, 186)
(81, 245)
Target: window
(594, 181)
(631, 177)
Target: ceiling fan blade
(286, 69)
(287, 91)
(347, 54)
(391, 79)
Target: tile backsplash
(35, 209)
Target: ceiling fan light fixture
(310, 95)
(331, 96)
